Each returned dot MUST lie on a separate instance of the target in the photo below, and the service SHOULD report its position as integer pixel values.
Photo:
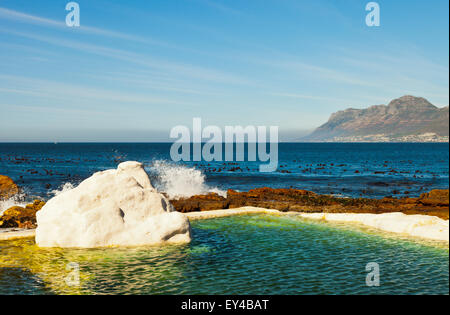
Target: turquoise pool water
(249, 254)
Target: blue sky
(135, 69)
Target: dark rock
(434, 203)
(7, 187)
(21, 217)
(437, 197)
(211, 201)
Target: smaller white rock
(117, 207)
(423, 226)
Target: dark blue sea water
(348, 169)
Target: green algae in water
(248, 254)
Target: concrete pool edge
(16, 233)
(423, 226)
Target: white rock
(111, 208)
(414, 225)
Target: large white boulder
(111, 208)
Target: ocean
(373, 170)
(249, 254)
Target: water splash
(63, 188)
(16, 200)
(180, 181)
(23, 198)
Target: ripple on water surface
(249, 254)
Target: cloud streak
(218, 6)
(144, 60)
(37, 20)
(62, 91)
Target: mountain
(407, 118)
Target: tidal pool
(247, 254)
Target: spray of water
(177, 181)
(63, 188)
(180, 181)
(22, 199)
(16, 200)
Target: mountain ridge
(407, 118)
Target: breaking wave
(177, 181)
(63, 188)
(22, 199)
(16, 200)
(180, 181)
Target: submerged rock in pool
(113, 207)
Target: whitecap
(63, 188)
(181, 181)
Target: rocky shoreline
(17, 216)
(433, 203)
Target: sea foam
(63, 188)
(180, 181)
(16, 200)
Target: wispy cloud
(27, 18)
(153, 82)
(52, 110)
(342, 102)
(186, 70)
(309, 70)
(302, 96)
(395, 73)
(62, 91)
(37, 20)
(219, 6)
